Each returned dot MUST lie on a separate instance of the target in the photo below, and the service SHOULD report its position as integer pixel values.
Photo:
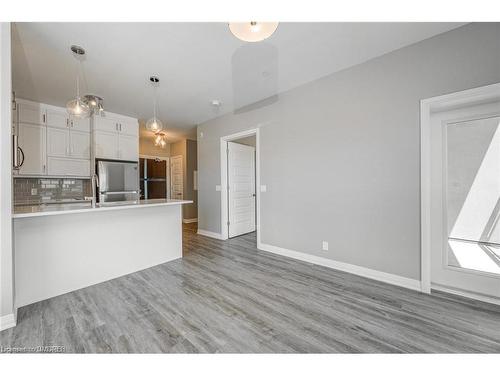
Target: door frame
(170, 175)
(167, 159)
(223, 179)
(479, 95)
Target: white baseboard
(187, 221)
(463, 293)
(346, 267)
(8, 321)
(210, 234)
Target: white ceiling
(196, 62)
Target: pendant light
(154, 124)
(77, 107)
(253, 31)
(161, 140)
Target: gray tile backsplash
(28, 191)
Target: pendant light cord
(154, 101)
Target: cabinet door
(32, 140)
(129, 147)
(57, 118)
(129, 127)
(57, 142)
(31, 113)
(80, 124)
(106, 145)
(106, 124)
(68, 167)
(79, 144)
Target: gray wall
(147, 147)
(355, 181)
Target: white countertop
(76, 208)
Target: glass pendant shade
(253, 31)
(78, 108)
(154, 125)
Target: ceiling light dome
(253, 31)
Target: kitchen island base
(62, 253)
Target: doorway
(461, 194)
(239, 181)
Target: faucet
(95, 185)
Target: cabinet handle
(120, 127)
(116, 126)
(44, 168)
(43, 120)
(67, 150)
(67, 122)
(71, 123)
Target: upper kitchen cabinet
(32, 142)
(116, 137)
(30, 113)
(57, 117)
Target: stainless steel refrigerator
(118, 181)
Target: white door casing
(177, 177)
(241, 189)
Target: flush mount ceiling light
(154, 124)
(253, 31)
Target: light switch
(263, 188)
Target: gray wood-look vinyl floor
(226, 296)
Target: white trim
(427, 106)
(346, 267)
(6, 241)
(207, 233)
(187, 221)
(8, 321)
(466, 294)
(223, 178)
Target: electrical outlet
(34, 191)
(325, 245)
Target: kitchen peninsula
(61, 248)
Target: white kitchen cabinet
(30, 113)
(57, 142)
(105, 124)
(32, 140)
(79, 144)
(106, 145)
(68, 167)
(80, 124)
(128, 147)
(128, 127)
(57, 117)
(116, 137)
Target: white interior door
(177, 183)
(465, 201)
(241, 192)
